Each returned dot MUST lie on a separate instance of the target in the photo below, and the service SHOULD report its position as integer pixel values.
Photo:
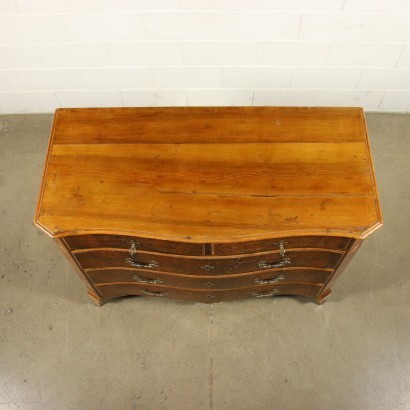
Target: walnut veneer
(209, 204)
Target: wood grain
(237, 248)
(209, 124)
(110, 291)
(209, 175)
(285, 275)
(203, 200)
(125, 242)
(104, 258)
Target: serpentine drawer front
(303, 289)
(208, 265)
(106, 276)
(209, 204)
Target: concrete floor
(59, 351)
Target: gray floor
(59, 351)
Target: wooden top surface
(209, 174)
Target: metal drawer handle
(140, 279)
(281, 264)
(133, 247)
(208, 267)
(272, 292)
(151, 265)
(157, 294)
(269, 281)
(281, 247)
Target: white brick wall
(85, 53)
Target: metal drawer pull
(151, 265)
(281, 247)
(272, 292)
(133, 247)
(157, 294)
(269, 281)
(140, 279)
(208, 267)
(281, 264)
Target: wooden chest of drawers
(208, 204)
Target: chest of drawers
(208, 204)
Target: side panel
(93, 292)
(326, 290)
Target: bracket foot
(323, 296)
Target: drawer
(323, 242)
(286, 275)
(208, 296)
(207, 266)
(133, 243)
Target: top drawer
(126, 242)
(197, 249)
(293, 242)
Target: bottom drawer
(110, 291)
(137, 276)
